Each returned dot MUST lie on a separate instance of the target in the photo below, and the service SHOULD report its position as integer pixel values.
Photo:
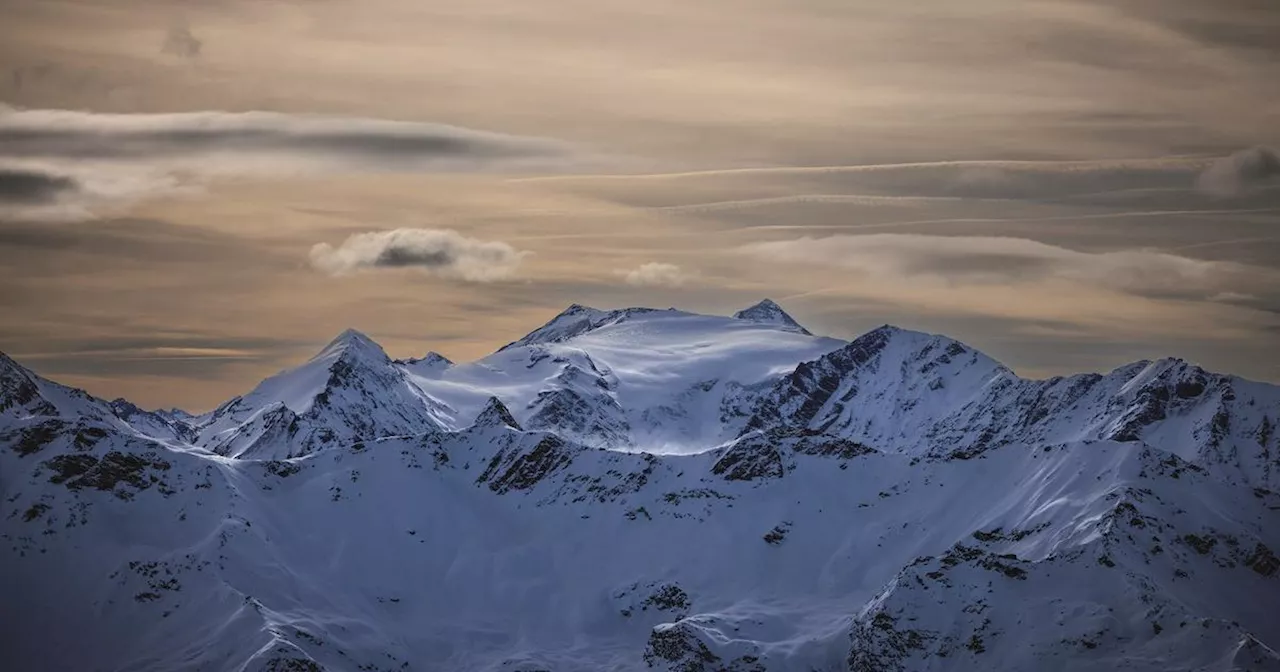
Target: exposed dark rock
(32, 439)
(749, 460)
(528, 469)
(681, 649)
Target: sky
(195, 195)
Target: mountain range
(643, 489)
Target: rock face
(898, 502)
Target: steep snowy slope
(916, 393)
(24, 394)
(901, 502)
(351, 390)
(493, 548)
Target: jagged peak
(496, 414)
(769, 312)
(124, 408)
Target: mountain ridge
(896, 502)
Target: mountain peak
(350, 336)
(7, 363)
(572, 321)
(495, 414)
(769, 312)
(430, 362)
(352, 342)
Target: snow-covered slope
(901, 502)
(639, 379)
(351, 390)
(916, 393)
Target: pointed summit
(769, 312)
(352, 342)
(495, 414)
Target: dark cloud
(33, 187)
(441, 252)
(58, 134)
(116, 159)
(121, 239)
(180, 42)
(1241, 172)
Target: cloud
(32, 186)
(655, 274)
(180, 42)
(132, 156)
(1240, 172)
(61, 134)
(73, 191)
(989, 260)
(441, 252)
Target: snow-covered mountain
(349, 391)
(920, 394)
(661, 381)
(640, 489)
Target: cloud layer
(441, 252)
(153, 153)
(62, 134)
(987, 260)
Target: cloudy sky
(194, 195)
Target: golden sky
(194, 195)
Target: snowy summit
(643, 489)
(769, 312)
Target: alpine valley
(646, 489)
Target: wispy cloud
(656, 274)
(988, 260)
(63, 134)
(441, 252)
(73, 191)
(154, 153)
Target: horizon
(192, 195)
(320, 347)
